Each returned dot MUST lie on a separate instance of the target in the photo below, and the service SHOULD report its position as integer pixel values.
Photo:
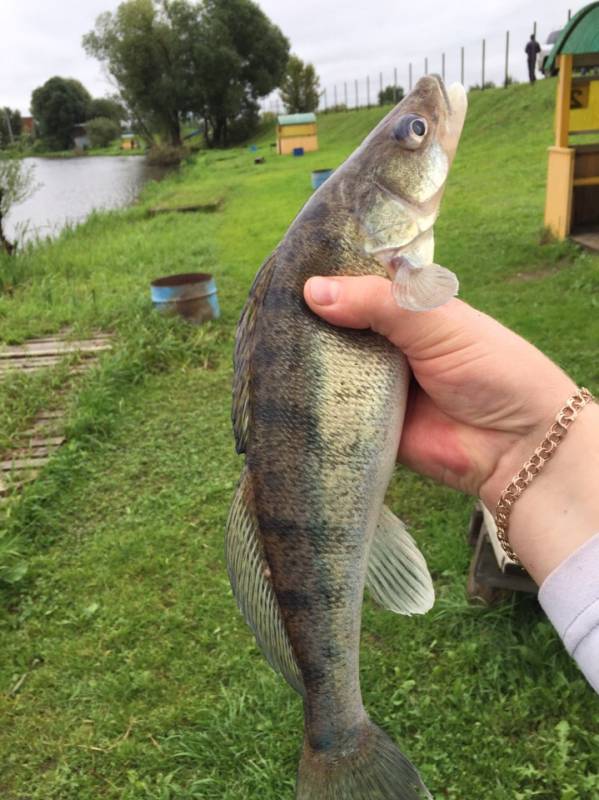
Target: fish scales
(318, 411)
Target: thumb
(367, 302)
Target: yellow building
(572, 201)
(296, 130)
(128, 142)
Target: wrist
(559, 510)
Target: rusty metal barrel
(191, 295)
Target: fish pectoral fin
(421, 288)
(244, 348)
(250, 580)
(397, 577)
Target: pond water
(69, 189)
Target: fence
(496, 60)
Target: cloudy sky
(345, 39)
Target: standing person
(531, 50)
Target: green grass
(132, 674)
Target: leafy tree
(102, 131)
(59, 105)
(391, 95)
(108, 108)
(10, 126)
(299, 90)
(16, 185)
(172, 58)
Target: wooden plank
(36, 362)
(16, 486)
(23, 463)
(48, 441)
(56, 414)
(55, 348)
(40, 451)
(593, 181)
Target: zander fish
(318, 412)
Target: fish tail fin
(370, 767)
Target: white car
(546, 49)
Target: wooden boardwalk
(35, 446)
(38, 354)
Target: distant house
(80, 136)
(28, 126)
(129, 141)
(295, 131)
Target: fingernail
(324, 291)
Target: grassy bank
(126, 671)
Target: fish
(318, 412)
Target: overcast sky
(345, 40)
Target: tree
(108, 108)
(391, 95)
(102, 131)
(172, 58)
(16, 185)
(59, 105)
(10, 126)
(299, 90)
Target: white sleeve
(570, 598)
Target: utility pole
(482, 86)
(9, 126)
(507, 58)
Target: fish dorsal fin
(397, 576)
(244, 347)
(252, 587)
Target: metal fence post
(534, 29)
(325, 99)
(410, 76)
(569, 14)
(482, 86)
(443, 66)
(381, 83)
(357, 103)
(507, 58)
(462, 65)
(345, 94)
(368, 91)
(426, 66)
(335, 95)
(395, 84)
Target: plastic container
(319, 176)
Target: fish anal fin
(397, 576)
(244, 347)
(250, 580)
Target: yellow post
(562, 107)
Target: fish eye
(410, 131)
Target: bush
(102, 131)
(165, 155)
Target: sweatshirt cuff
(570, 598)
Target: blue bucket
(298, 151)
(191, 295)
(319, 176)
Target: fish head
(401, 170)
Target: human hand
(484, 397)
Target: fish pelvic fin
(371, 767)
(244, 348)
(397, 576)
(421, 288)
(252, 587)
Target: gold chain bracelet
(531, 469)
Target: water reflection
(70, 189)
